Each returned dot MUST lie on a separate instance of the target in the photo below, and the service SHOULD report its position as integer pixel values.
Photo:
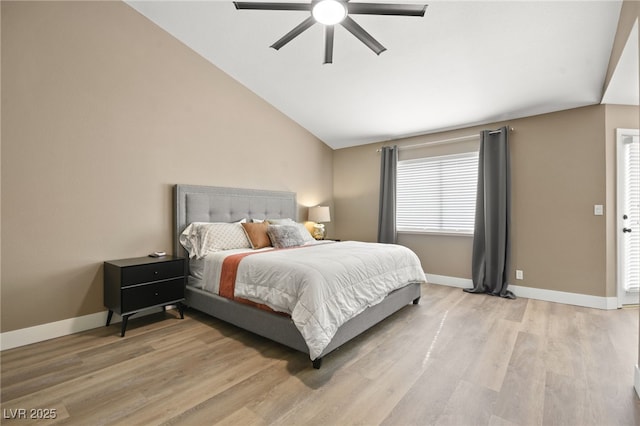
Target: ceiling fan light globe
(329, 12)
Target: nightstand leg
(123, 327)
(109, 315)
(181, 309)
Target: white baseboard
(576, 299)
(636, 381)
(40, 333)
(449, 281)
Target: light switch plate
(598, 210)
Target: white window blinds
(437, 194)
(631, 147)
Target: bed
(205, 204)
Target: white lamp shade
(319, 214)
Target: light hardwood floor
(455, 359)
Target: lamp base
(318, 231)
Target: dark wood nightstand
(133, 285)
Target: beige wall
(558, 173)
(102, 113)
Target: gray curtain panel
(491, 238)
(387, 210)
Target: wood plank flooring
(455, 359)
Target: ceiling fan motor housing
(329, 12)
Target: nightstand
(133, 285)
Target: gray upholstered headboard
(216, 204)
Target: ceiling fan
(334, 12)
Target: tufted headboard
(194, 203)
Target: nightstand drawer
(152, 272)
(143, 296)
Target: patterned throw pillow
(202, 238)
(282, 236)
(304, 232)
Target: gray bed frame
(217, 204)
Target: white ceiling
(464, 63)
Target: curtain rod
(451, 140)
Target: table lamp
(319, 214)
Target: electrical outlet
(519, 274)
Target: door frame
(624, 297)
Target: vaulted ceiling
(462, 64)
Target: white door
(628, 223)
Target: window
(437, 194)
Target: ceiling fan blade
(294, 33)
(254, 5)
(328, 44)
(387, 9)
(360, 33)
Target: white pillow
(283, 221)
(202, 238)
(304, 233)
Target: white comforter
(324, 285)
